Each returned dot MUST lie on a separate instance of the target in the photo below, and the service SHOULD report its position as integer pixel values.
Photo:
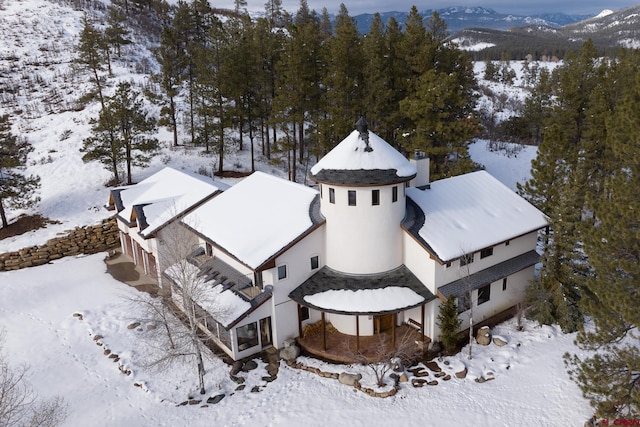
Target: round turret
(362, 187)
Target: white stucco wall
(419, 261)
(363, 239)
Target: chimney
(422, 166)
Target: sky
(583, 7)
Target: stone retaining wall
(81, 240)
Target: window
(314, 262)
(304, 313)
(463, 303)
(321, 191)
(486, 252)
(332, 195)
(506, 243)
(352, 197)
(375, 197)
(447, 264)
(394, 194)
(466, 259)
(209, 249)
(484, 294)
(247, 336)
(282, 272)
(504, 284)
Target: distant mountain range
(609, 31)
(459, 18)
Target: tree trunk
(174, 121)
(470, 329)
(3, 215)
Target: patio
(343, 348)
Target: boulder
(462, 374)
(499, 341)
(236, 368)
(483, 337)
(349, 379)
(289, 353)
(249, 365)
(403, 378)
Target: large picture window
(247, 336)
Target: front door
(265, 332)
(383, 323)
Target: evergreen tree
(611, 377)
(449, 323)
(116, 33)
(90, 49)
(343, 81)
(17, 190)
(125, 120)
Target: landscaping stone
(499, 341)
(418, 382)
(290, 353)
(349, 379)
(433, 365)
(483, 337)
(462, 374)
(403, 378)
(236, 368)
(215, 399)
(133, 325)
(249, 365)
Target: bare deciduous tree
(381, 356)
(182, 316)
(19, 403)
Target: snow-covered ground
(530, 385)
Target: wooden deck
(342, 348)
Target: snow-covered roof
(256, 218)
(163, 196)
(387, 292)
(354, 161)
(470, 212)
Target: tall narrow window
(352, 197)
(282, 272)
(332, 195)
(314, 262)
(375, 197)
(321, 191)
(484, 294)
(504, 284)
(394, 194)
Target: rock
(106, 352)
(480, 380)
(255, 389)
(433, 365)
(215, 399)
(403, 378)
(418, 382)
(462, 374)
(396, 364)
(499, 341)
(97, 337)
(440, 374)
(240, 387)
(447, 378)
(349, 379)
(236, 379)
(434, 382)
(236, 368)
(249, 365)
(133, 325)
(483, 337)
(290, 353)
(78, 315)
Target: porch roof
(489, 275)
(335, 292)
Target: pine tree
(611, 377)
(124, 119)
(92, 45)
(116, 33)
(343, 81)
(449, 323)
(17, 190)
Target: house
(374, 247)
(143, 210)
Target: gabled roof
(257, 218)
(356, 161)
(335, 292)
(163, 196)
(467, 213)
